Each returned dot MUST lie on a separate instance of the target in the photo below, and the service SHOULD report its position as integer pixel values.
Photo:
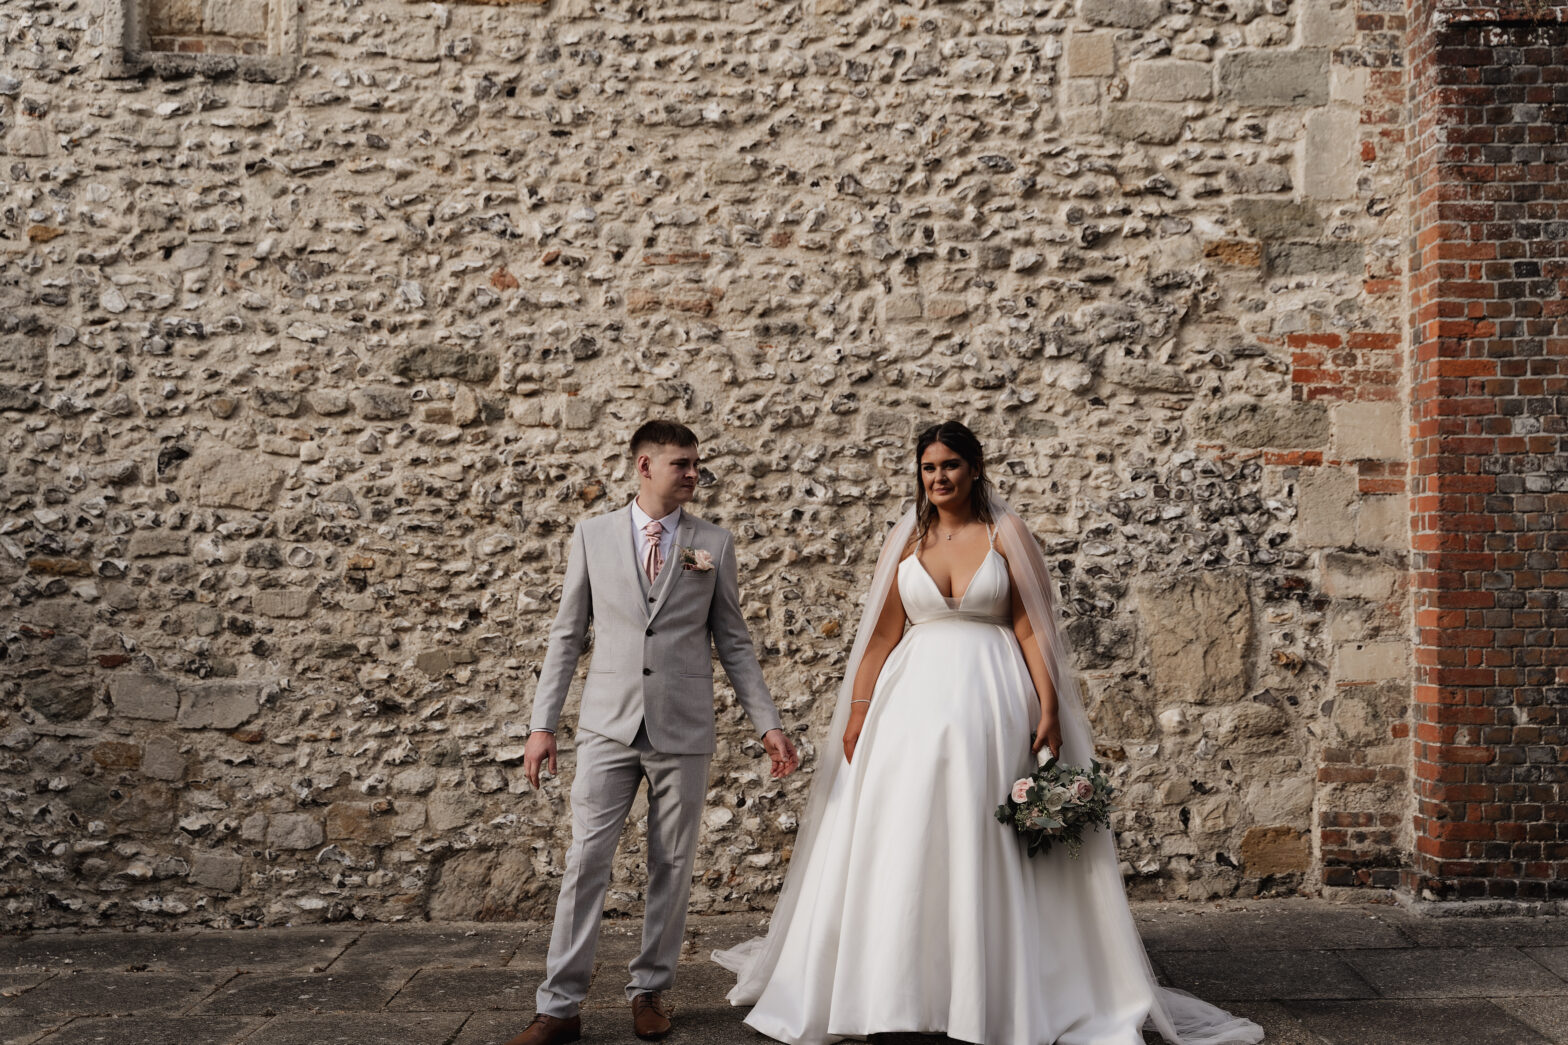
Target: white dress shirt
(641, 519)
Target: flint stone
(380, 403)
(432, 361)
(227, 479)
(294, 831)
(144, 696)
(61, 699)
(1275, 77)
(1204, 660)
(214, 870)
(218, 704)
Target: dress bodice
(987, 600)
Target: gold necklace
(949, 536)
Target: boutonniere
(695, 559)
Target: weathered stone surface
(1278, 219)
(1301, 259)
(1170, 80)
(380, 403)
(294, 831)
(1149, 124)
(1090, 54)
(1127, 14)
(1204, 660)
(1247, 422)
(1279, 849)
(1369, 431)
(1274, 77)
(427, 361)
(62, 698)
(161, 759)
(217, 870)
(144, 696)
(1329, 160)
(486, 886)
(1324, 513)
(223, 478)
(283, 602)
(1371, 661)
(218, 704)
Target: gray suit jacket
(652, 645)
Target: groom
(658, 587)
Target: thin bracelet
(854, 702)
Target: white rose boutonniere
(695, 559)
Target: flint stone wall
(308, 366)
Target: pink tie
(653, 558)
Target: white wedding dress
(917, 910)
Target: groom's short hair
(660, 432)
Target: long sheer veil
(1180, 1017)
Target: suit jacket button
(652, 599)
(647, 671)
(649, 632)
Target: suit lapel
(636, 580)
(671, 573)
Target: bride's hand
(857, 721)
(1048, 733)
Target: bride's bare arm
(887, 633)
(1048, 732)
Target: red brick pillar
(1489, 465)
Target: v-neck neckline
(954, 602)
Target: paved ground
(1312, 973)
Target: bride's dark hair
(957, 437)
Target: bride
(907, 907)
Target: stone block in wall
(1326, 23)
(174, 17)
(294, 831)
(1124, 14)
(144, 696)
(580, 412)
(487, 886)
(61, 698)
(355, 822)
(380, 402)
(1278, 219)
(1250, 424)
(243, 19)
(1369, 431)
(162, 760)
(1363, 715)
(218, 704)
(1258, 178)
(149, 543)
(217, 870)
(1325, 498)
(1276, 849)
(1090, 54)
(424, 362)
(1275, 77)
(1305, 259)
(1331, 154)
(1199, 629)
(1170, 80)
(1383, 522)
(226, 479)
(1371, 661)
(1348, 575)
(1145, 123)
(283, 602)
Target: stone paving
(1311, 972)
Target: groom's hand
(782, 752)
(538, 749)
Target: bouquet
(1056, 803)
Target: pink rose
(1021, 789)
(1082, 789)
(704, 560)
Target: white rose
(1056, 798)
(1021, 789)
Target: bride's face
(946, 476)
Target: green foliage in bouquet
(1056, 804)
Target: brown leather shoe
(550, 1030)
(651, 1016)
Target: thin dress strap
(990, 535)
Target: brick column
(1489, 472)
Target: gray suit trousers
(608, 775)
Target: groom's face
(669, 472)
